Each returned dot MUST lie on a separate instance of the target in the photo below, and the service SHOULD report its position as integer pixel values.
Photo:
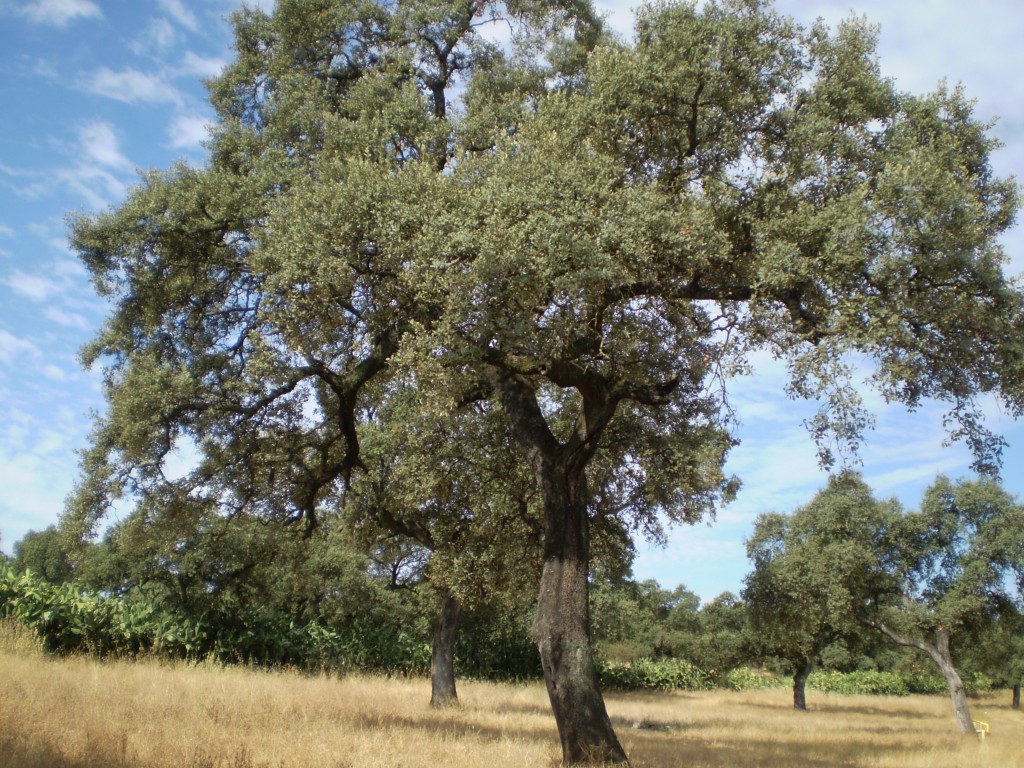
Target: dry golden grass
(78, 713)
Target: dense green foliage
(69, 618)
(570, 241)
(810, 576)
(662, 675)
(44, 553)
(394, 638)
(944, 580)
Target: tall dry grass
(78, 713)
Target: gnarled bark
(561, 628)
(562, 632)
(442, 653)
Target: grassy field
(77, 713)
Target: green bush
(651, 675)
(70, 619)
(746, 679)
(922, 682)
(867, 682)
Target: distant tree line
(846, 594)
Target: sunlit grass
(78, 713)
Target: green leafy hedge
(745, 679)
(647, 674)
(70, 619)
(860, 682)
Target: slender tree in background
(999, 651)
(592, 237)
(811, 572)
(955, 568)
(450, 484)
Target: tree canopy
(936, 579)
(955, 567)
(812, 571)
(589, 235)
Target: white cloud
(188, 131)
(99, 144)
(131, 86)
(67, 319)
(177, 11)
(59, 13)
(6, 231)
(31, 286)
(55, 373)
(70, 267)
(263, 5)
(98, 187)
(97, 175)
(202, 66)
(159, 35)
(36, 476)
(11, 347)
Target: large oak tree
(591, 235)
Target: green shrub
(922, 682)
(867, 682)
(746, 679)
(651, 675)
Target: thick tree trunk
(1016, 696)
(562, 625)
(800, 674)
(562, 632)
(442, 654)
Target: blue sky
(94, 90)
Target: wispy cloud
(98, 173)
(59, 13)
(97, 186)
(177, 11)
(6, 231)
(37, 464)
(55, 373)
(67, 319)
(11, 347)
(132, 86)
(159, 35)
(100, 145)
(194, 65)
(32, 287)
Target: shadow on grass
(453, 724)
(722, 750)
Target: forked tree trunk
(562, 632)
(800, 674)
(562, 625)
(940, 653)
(442, 653)
(1016, 696)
